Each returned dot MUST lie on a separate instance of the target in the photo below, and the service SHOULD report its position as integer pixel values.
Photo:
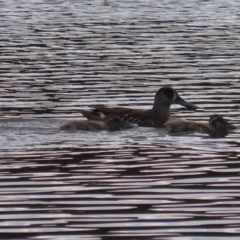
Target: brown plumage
(154, 117)
(110, 123)
(216, 128)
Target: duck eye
(169, 93)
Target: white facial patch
(174, 97)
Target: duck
(216, 128)
(155, 117)
(110, 123)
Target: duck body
(143, 118)
(111, 123)
(155, 117)
(182, 125)
(85, 125)
(216, 128)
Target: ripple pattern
(61, 56)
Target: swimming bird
(110, 123)
(216, 128)
(155, 117)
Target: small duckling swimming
(110, 123)
(218, 126)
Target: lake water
(61, 56)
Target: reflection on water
(142, 183)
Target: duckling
(155, 117)
(218, 127)
(110, 123)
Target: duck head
(166, 96)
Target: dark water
(61, 56)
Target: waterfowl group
(118, 118)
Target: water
(61, 56)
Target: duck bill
(230, 126)
(188, 105)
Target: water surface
(61, 56)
